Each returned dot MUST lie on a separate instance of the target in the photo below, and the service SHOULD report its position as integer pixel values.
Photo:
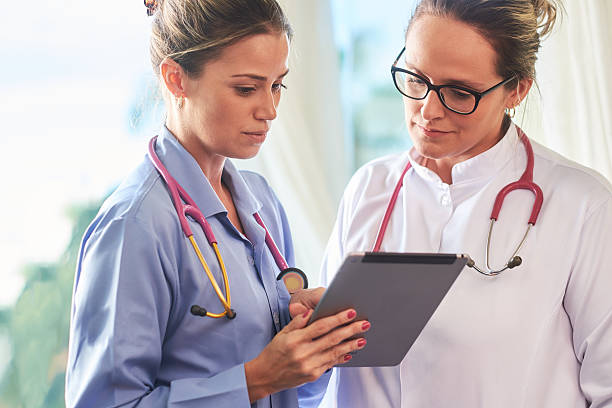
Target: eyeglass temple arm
(398, 56)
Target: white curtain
(572, 113)
(304, 156)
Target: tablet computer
(396, 292)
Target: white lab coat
(539, 335)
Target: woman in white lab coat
(538, 334)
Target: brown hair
(513, 27)
(192, 32)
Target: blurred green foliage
(38, 324)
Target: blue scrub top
(133, 340)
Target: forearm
(257, 382)
(224, 390)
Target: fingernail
(361, 343)
(351, 314)
(305, 314)
(347, 357)
(365, 326)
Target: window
(369, 37)
(74, 84)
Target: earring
(511, 112)
(151, 6)
(180, 101)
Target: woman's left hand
(304, 300)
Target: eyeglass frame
(477, 95)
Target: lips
(432, 132)
(258, 136)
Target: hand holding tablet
(396, 292)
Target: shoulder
(568, 179)
(375, 177)
(382, 167)
(140, 203)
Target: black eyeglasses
(458, 99)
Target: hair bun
(151, 6)
(546, 12)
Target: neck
(443, 167)
(211, 164)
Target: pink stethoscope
(293, 278)
(524, 183)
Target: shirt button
(445, 200)
(251, 260)
(276, 318)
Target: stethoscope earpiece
(515, 261)
(200, 311)
(470, 262)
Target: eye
(460, 94)
(277, 87)
(415, 80)
(244, 90)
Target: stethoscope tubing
(525, 182)
(186, 206)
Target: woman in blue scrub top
(133, 340)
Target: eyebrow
(257, 77)
(472, 85)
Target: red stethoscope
(523, 183)
(293, 278)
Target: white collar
(478, 168)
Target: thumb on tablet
(296, 309)
(299, 321)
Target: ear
(516, 96)
(173, 76)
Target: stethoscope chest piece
(294, 279)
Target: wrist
(258, 386)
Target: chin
(245, 154)
(428, 149)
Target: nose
(431, 106)
(266, 109)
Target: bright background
(78, 104)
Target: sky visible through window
(70, 83)
(74, 77)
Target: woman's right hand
(299, 354)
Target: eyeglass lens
(453, 98)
